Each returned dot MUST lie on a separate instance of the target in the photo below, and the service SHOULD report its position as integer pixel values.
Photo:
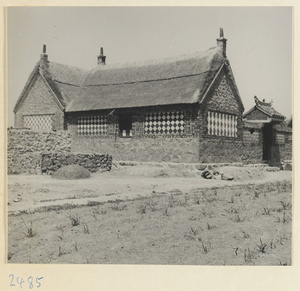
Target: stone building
(276, 132)
(184, 109)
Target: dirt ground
(152, 215)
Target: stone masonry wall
(282, 144)
(222, 149)
(160, 149)
(51, 162)
(40, 101)
(182, 147)
(24, 148)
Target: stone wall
(160, 149)
(282, 146)
(39, 101)
(51, 162)
(24, 148)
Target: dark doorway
(125, 125)
(267, 142)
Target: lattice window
(221, 124)
(41, 121)
(164, 123)
(91, 125)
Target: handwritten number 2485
(29, 281)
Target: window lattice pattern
(164, 123)
(43, 121)
(221, 124)
(91, 125)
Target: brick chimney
(221, 42)
(44, 59)
(101, 57)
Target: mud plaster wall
(39, 100)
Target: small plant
(118, 206)
(142, 209)
(237, 218)
(94, 214)
(76, 247)
(256, 194)
(283, 263)
(245, 234)
(262, 247)
(29, 230)
(197, 199)
(266, 211)
(205, 246)
(272, 244)
(172, 201)
(9, 255)
(152, 204)
(286, 205)
(166, 210)
(210, 199)
(86, 228)
(249, 255)
(284, 219)
(75, 220)
(61, 251)
(194, 231)
(233, 210)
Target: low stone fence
(51, 162)
(37, 152)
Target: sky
(259, 42)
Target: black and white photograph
(150, 136)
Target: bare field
(153, 217)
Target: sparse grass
(245, 234)
(197, 199)
(142, 208)
(76, 246)
(237, 218)
(231, 199)
(284, 219)
(75, 220)
(266, 211)
(262, 246)
(205, 246)
(86, 228)
(285, 205)
(118, 206)
(249, 255)
(152, 204)
(61, 251)
(9, 255)
(166, 210)
(28, 229)
(204, 233)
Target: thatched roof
(266, 108)
(181, 80)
